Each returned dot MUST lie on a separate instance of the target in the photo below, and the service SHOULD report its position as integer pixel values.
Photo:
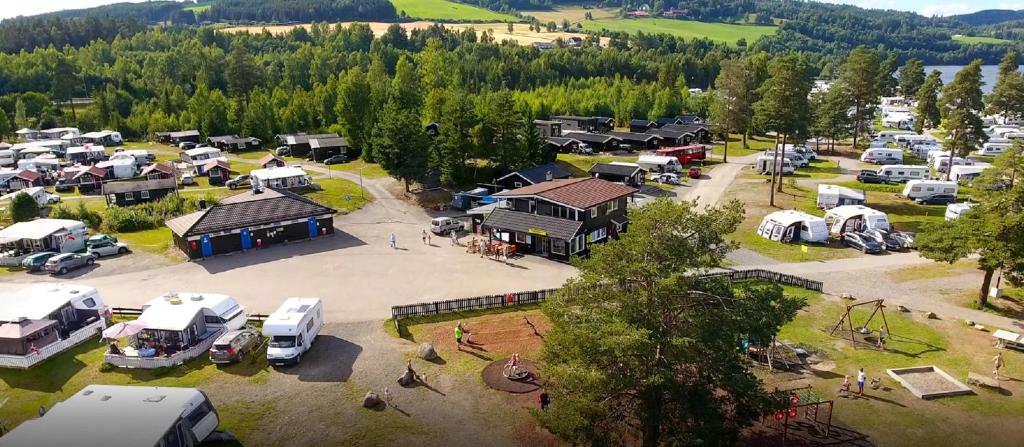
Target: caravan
(798, 159)
(656, 163)
(955, 210)
(292, 329)
(941, 164)
(855, 218)
(793, 226)
(882, 156)
(917, 189)
(765, 162)
(921, 150)
(993, 148)
(831, 196)
(967, 174)
(889, 136)
(904, 173)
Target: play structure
(807, 420)
(878, 308)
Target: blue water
(988, 74)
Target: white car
(108, 248)
(667, 178)
(187, 179)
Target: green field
(720, 32)
(975, 40)
(446, 10)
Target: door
(206, 246)
(312, 227)
(246, 239)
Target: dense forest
(299, 10)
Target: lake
(988, 74)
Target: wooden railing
(27, 361)
(175, 359)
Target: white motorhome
(941, 164)
(798, 159)
(793, 226)
(855, 218)
(889, 136)
(955, 210)
(924, 188)
(657, 163)
(765, 163)
(967, 174)
(7, 157)
(903, 173)
(292, 329)
(121, 415)
(831, 196)
(993, 148)
(40, 164)
(882, 156)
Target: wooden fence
(79, 336)
(134, 312)
(173, 360)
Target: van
(765, 162)
(993, 148)
(903, 173)
(292, 329)
(923, 188)
(445, 225)
(882, 156)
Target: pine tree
(21, 115)
(5, 124)
(1007, 97)
(927, 111)
(783, 107)
(259, 120)
(911, 77)
(831, 114)
(353, 108)
(732, 106)
(860, 75)
(960, 104)
(242, 73)
(406, 87)
(454, 146)
(399, 143)
(887, 82)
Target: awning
(124, 329)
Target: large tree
(732, 106)
(860, 74)
(927, 110)
(400, 144)
(241, 72)
(643, 352)
(911, 77)
(1007, 97)
(831, 114)
(23, 208)
(961, 103)
(353, 108)
(887, 82)
(454, 144)
(783, 107)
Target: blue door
(246, 239)
(312, 227)
(206, 246)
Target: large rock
(931, 315)
(427, 352)
(407, 379)
(371, 400)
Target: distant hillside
(990, 17)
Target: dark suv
(862, 243)
(867, 176)
(232, 346)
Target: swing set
(878, 309)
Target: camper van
(855, 218)
(916, 189)
(882, 156)
(941, 164)
(904, 173)
(798, 160)
(793, 226)
(955, 210)
(120, 415)
(292, 329)
(656, 163)
(766, 162)
(889, 136)
(993, 148)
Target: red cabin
(685, 154)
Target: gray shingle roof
(328, 142)
(522, 222)
(248, 209)
(607, 168)
(539, 174)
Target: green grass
(977, 40)
(340, 194)
(736, 149)
(579, 165)
(157, 241)
(357, 166)
(720, 32)
(929, 271)
(447, 10)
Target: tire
(241, 356)
(62, 271)
(298, 359)
(90, 261)
(122, 250)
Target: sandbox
(928, 382)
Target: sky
(12, 8)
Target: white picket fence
(178, 358)
(79, 336)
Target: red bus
(685, 154)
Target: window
(517, 184)
(200, 412)
(620, 226)
(522, 238)
(557, 247)
(128, 196)
(143, 194)
(89, 302)
(593, 212)
(299, 343)
(598, 234)
(309, 326)
(113, 197)
(212, 319)
(577, 245)
(613, 205)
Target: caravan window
(948, 190)
(198, 413)
(174, 437)
(212, 319)
(89, 302)
(282, 341)
(309, 326)
(916, 189)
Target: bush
(92, 219)
(151, 215)
(24, 208)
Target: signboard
(537, 231)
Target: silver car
(108, 248)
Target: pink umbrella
(124, 329)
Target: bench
(980, 380)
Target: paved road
(708, 191)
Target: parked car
(861, 242)
(335, 159)
(66, 262)
(62, 186)
(867, 176)
(238, 181)
(693, 172)
(34, 262)
(186, 145)
(233, 346)
(669, 178)
(936, 199)
(107, 248)
(584, 149)
(885, 239)
(283, 150)
(187, 179)
(906, 238)
(445, 225)
(98, 238)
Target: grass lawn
(579, 165)
(571, 13)
(340, 194)
(929, 271)
(975, 40)
(447, 10)
(720, 32)
(736, 149)
(368, 170)
(157, 241)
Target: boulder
(931, 315)
(371, 400)
(902, 308)
(427, 352)
(407, 379)
(969, 322)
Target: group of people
(149, 348)
(844, 389)
(426, 236)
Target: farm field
(446, 10)
(572, 14)
(520, 31)
(719, 32)
(977, 40)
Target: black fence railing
(770, 276)
(134, 312)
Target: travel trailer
(793, 226)
(292, 329)
(798, 159)
(831, 196)
(993, 148)
(7, 157)
(85, 155)
(921, 150)
(904, 173)
(42, 320)
(765, 164)
(890, 135)
(941, 164)
(882, 156)
(923, 188)
(855, 218)
(656, 163)
(119, 168)
(967, 174)
(38, 193)
(915, 139)
(121, 415)
(955, 210)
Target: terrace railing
(30, 360)
(176, 359)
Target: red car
(694, 172)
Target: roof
(841, 191)
(687, 128)
(281, 172)
(790, 217)
(688, 119)
(633, 136)
(164, 166)
(25, 130)
(183, 133)
(201, 151)
(269, 158)
(615, 169)
(327, 142)
(39, 228)
(847, 211)
(117, 161)
(107, 415)
(667, 120)
(216, 303)
(558, 141)
(138, 185)
(27, 175)
(85, 149)
(31, 191)
(94, 170)
(667, 133)
(98, 134)
(605, 119)
(248, 209)
(573, 118)
(303, 139)
(18, 330)
(290, 312)
(546, 122)
(217, 163)
(538, 174)
(222, 138)
(588, 137)
(37, 301)
(580, 193)
(523, 222)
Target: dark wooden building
(599, 142)
(560, 218)
(90, 179)
(219, 171)
(161, 170)
(298, 144)
(700, 132)
(250, 220)
(234, 142)
(532, 176)
(182, 136)
(134, 192)
(641, 126)
(564, 145)
(326, 147)
(572, 123)
(24, 179)
(630, 174)
(637, 141)
(672, 138)
(605, 123)
(271, 161)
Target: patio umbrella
(124, 329)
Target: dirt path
(709, 191)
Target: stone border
(961, 388)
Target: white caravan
(882, 156)
(798, 159)
(766, 162)
(831, 196)
(967, 174)
(890, 135)
(657, 163)
(7, 157)
(292, 329)
(855, 218)
(793, 226)
(925, 188)
(955, 210)
(932, 155)
(904, 173)
(993, 148)
(941, 164)
(921, 150)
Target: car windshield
(282, 341)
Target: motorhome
(793, 226)
(292, 329)
(798, 159)
(42, 320)
(122, 415)
(765, 163)
(967, 174)
(855, 218)
(955, 210)
(903, 173)
(923, 188)
(941, 164)
(889, 136)
(831, 196)
(882, 156)
(993, 148)
(803, 150)
(656, 163)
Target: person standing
(388, 398)
(544, 400)
(882, 335)
(861, 377)
(394, 243)
(458, 336)
(423, 237)
(997, 362)
(455, 238)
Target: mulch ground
(498, 334)
(494, 377)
